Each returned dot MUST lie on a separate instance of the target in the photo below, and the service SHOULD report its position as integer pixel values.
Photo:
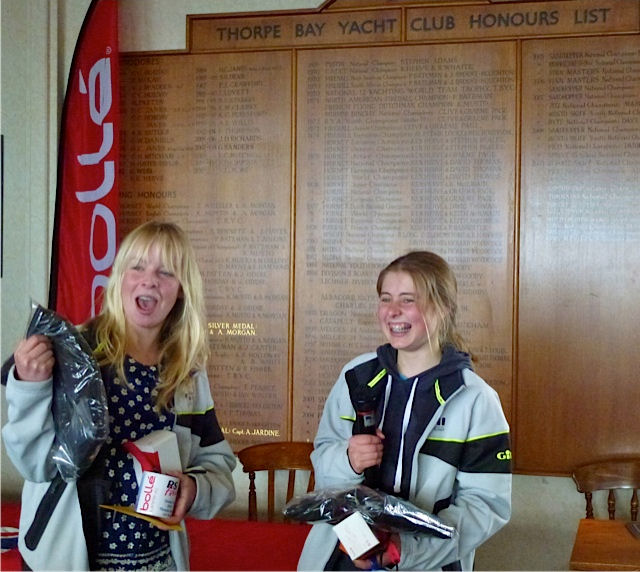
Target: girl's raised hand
(365, 451)
(34, 358)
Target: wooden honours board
(580, 251)
(304, 151)
(414, 151)
(207, 143)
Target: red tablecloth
(218, 544)
(243, 545)
(9, 518)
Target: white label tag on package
(355, 535)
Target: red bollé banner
(85, 235)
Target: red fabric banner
(85, 234)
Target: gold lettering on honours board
(231, 329)
(261, 431)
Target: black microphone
(366, 424)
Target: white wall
(38, 37)
(29, 94)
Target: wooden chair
(606, 544)
(610, 474)
(288, 456)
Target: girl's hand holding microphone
(365, 451)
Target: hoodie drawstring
(405, 423)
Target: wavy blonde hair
(435, 283)
(183, 336)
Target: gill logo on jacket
(504, 455)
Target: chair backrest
(609, 474)
(288, 456)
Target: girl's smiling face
(400, 314)
(149, 291)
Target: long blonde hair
(435, 283)
(183, 336)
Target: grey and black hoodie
(446, 449)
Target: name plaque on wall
(475, 22)
(303, 151)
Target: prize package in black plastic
(380, 510)
(80, 412)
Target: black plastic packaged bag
(380, 510)
(80, 411)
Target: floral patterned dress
(127, 542)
